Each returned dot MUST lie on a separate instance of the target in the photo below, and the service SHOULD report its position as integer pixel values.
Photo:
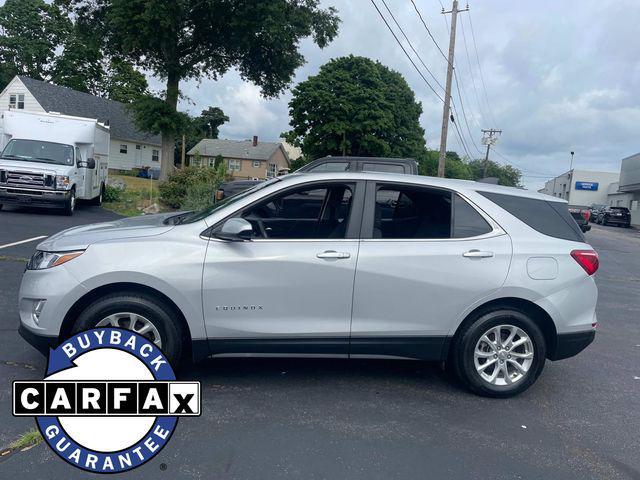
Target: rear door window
(467, 222)
(549, 218)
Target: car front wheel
(500, 354)
(147, 316)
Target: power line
(411, 45)
(405, 52)
(429, 31)
(475, 46)
(473, 80)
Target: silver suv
(491, 280)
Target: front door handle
(333, 254)
(477, 254)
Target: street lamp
(571, 164)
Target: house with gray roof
(129, 148)
(245, 159)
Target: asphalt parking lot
(372, 419)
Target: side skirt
(430, 348)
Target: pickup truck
(52, 160)
(581, 216)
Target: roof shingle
(67, 101)
(243, 149)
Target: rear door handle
(333, 254)
(477, 254)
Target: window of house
(256, 164)
(12, 101)
(272, 170)
(311, 212)
(21, 101)
(123, 148)
(411, 212)
(155, 155)
(234, 165)
(138, 147)
(16, 101)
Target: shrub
(198, 197)
(173, 192)
(112, 194)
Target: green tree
(30, 31)
(208, 123)
(506, 174)
(185, 39)
(355, 106)
(124, 83)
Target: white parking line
(7, 245)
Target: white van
(51, 160)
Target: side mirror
(89, 163)
(235, 230)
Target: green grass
(139, 193)
(27, 439)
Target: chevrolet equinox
(491, 280)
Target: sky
(560, 76)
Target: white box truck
(51, 160)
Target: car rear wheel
(499, 354)
(98, 200)
(147, 316)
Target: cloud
(559, 76)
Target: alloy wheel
(133, 321)
(503, 355)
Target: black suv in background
(331, 164)
(362, 164)
(614, 216)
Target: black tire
(161, 315)
(98, 200)
(463, 347)
(70, 204)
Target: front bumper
(570, 344)
(34, 198)
(40, 342)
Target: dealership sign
(593, 186)
(109, 402)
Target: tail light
(586, 214)
(587, 259)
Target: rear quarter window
(549, 218)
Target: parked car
(615, 216)
(594, 209)
(362, 164)
(582, 218)
(229, 189)
(338, 264)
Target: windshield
(191, 217)
(38, 151)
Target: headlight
(62, 182)
(41, 260)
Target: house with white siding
(130, 148)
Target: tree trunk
(168, 140)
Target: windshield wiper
(47, 159)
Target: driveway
(297, 418)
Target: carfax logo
(109, 402)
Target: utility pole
(447, 94)
(571, 164)
(490, 138)
(182, 154)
